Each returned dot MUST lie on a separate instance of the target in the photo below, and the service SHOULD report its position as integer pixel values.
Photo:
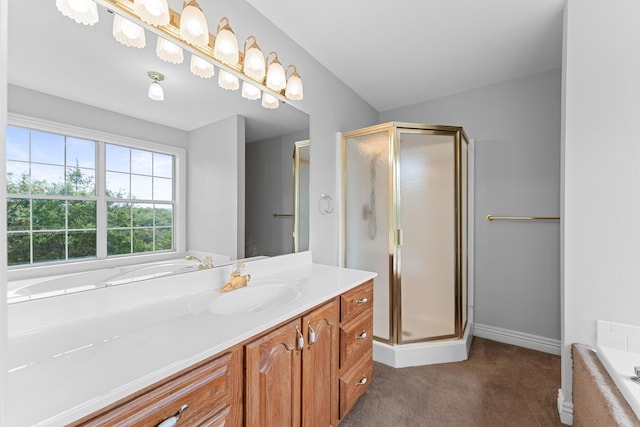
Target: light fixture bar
(172, 32)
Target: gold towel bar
(524, 218)
(277, 215)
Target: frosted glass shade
(228, 81)
(201, 68)
(225, 48)
(250, 92)
(294, 90)
(269, 101)
(254, 65)
(82, 11)
(276, 78)
(155, 91)
(127, 32)
(153, 12)
(193, 25)
(169, 52)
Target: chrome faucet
(238, 278)
(205, 262)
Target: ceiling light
(294, 90)
(269, 101)
(225, 48)
(155, 90)
(228, 81)
(153, 12)
(193, 25)
(201, 68)
(276, 78)
(254, 65)
(82, 11)
(250, 92)
(169, 52)
(128, 33)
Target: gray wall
(516, 126)
(269, 189)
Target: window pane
(118, 242)
(47, 148)
(142, 215)
(81, 182)
(118, 158)
(162, 189)
(81, 153)
(141, 187)
(164, 215)
(118, 185)
(162, 165)
(142, 240)
(18, 217)
(17, 143)
(18, 248)
(163, 239)
(18, 178)
(48, 246)
(141, 162)
(82, 244)
(48, 214)
(118, 215)
(46, 179)
(82, 214)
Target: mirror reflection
(72, 76)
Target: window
(73, 198)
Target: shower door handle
(399, 236)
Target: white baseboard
(521, 339)
(565, 409)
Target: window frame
(101, 260)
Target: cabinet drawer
(354, 382)
(356, 301)
(207, 390)
(356, 337)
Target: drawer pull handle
(362, 336)
(362, 381)
(312, 334)
(362, 300)
(170, 422)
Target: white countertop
(62, 368)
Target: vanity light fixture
(153, 12)
(128, 33)
(188, 30)
(156, 92)
(168, 51)
(82, 11)
(276, 78)
(193, 25)
(201, 68)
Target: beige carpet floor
(499, 385)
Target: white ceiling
(403, 52)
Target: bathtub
(48, 286)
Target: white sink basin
(258, 296)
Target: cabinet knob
(172, 421)
(362, 300)
(362, 336)
(362, 381)
(312, 334)
(300, 338)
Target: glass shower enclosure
(405, 214)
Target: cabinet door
(273, 378)
(319, 367)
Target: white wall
(3, 219)
(269, 189)
(215, 188)
(516, 127)
(601, 174)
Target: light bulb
(201, 68)
(228, 81)
(250, 92)
(169, 52)
(153, 12)
(193, 25)
(128, 33)
(82, 11)
(225, 48)
(294, 90)
(276, 78)
(155, 91)
(254, 65)
(269, 101)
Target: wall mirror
(52, 56)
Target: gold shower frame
(461, 235)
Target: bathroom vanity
(304, 361)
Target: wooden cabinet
(356, 344)
(209, 393)
(291, 372)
